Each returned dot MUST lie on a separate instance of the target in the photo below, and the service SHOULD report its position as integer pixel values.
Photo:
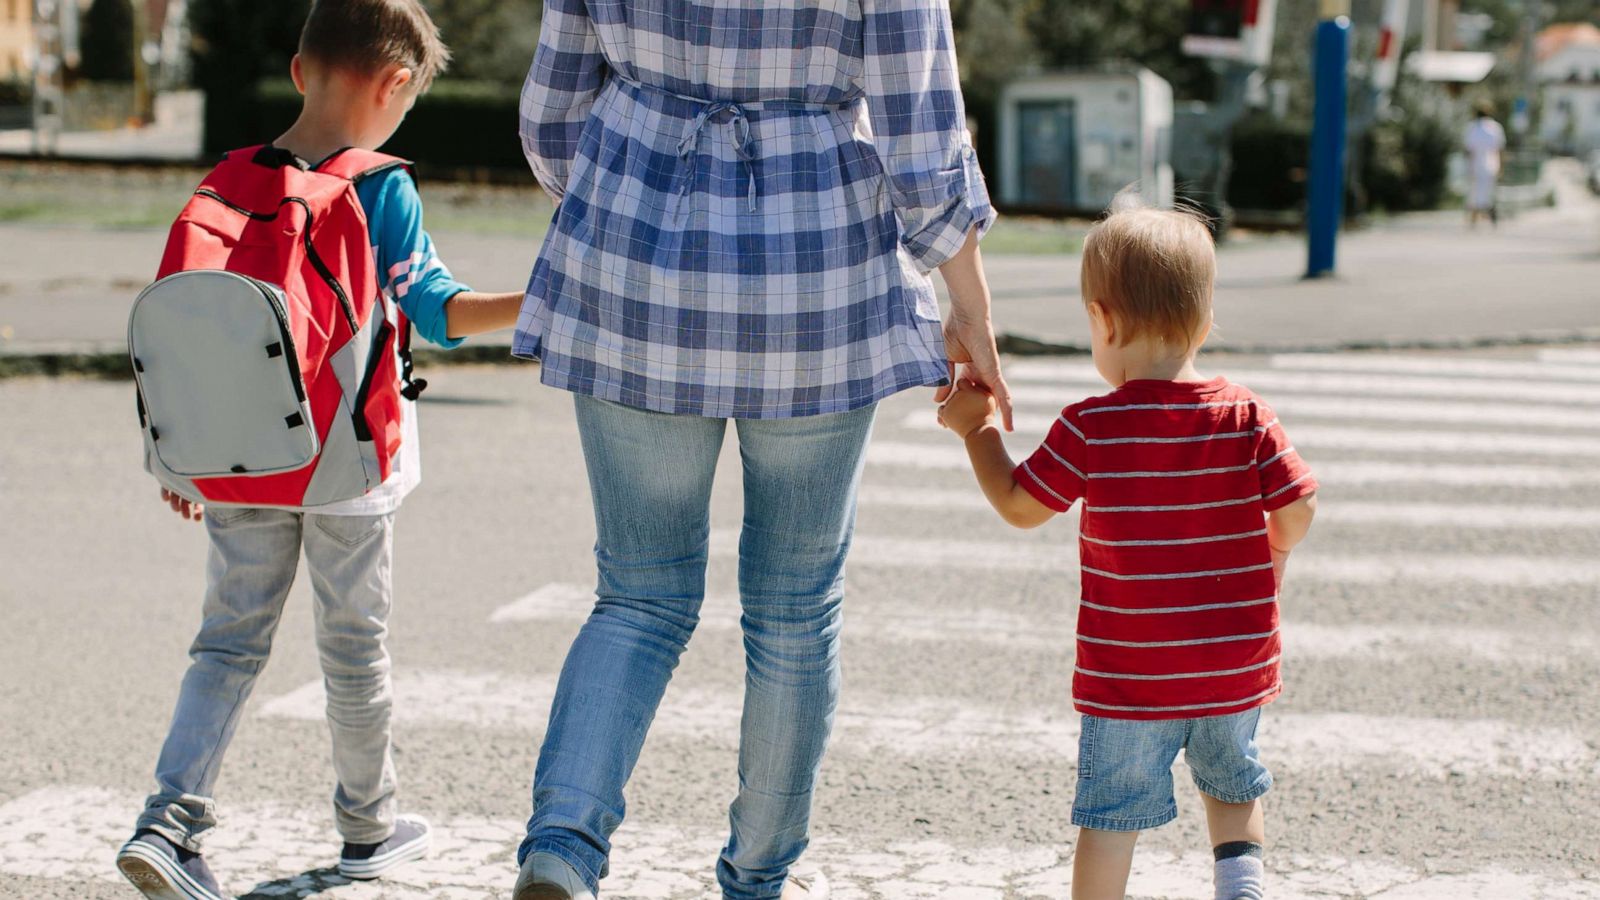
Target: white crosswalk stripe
(1050, 628)
(1441, 365)
(1311, 438)
(1068, 381)
(912, 727)
(1300, 407)
(949, 455)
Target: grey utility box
(1069, 141)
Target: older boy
(1192, 499)
(361, 65)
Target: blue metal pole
(1325, 194)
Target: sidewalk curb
(94, 361)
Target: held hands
(968, 409)
(182, 507)
(970, 346)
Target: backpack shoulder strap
(355, 165)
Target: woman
(751, 194)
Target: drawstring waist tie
(706, 112)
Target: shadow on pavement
(306, 884)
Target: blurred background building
(1206, 101)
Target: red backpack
(269, 364)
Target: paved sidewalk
(1416, 280)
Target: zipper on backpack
(374, 358)
(311, 249)
(289, 351)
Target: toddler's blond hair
(1153, 270)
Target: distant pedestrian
(751, 198)
(1484, 140)
(361, 65)
(1192, 498)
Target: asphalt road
(1439, 737)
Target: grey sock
(1240, 874)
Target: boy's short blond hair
(367, 35)
(1153, 270)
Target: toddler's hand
(182, 507)
(968, 409)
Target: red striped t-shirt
(1179, 615)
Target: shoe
(364, 862)
(545, 876)
(161, 870)
(805, 883)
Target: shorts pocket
(1088, 745)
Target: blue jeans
(650, 475)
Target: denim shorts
(1125, 767)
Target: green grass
(107, 197)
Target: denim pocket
(232, 515)
(351, 531)
(1088, 745)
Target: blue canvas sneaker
(364, 862)
(162, 870)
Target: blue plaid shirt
(751, 198)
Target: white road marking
(1579, 356)
(1432, 365)
(915, 727)
(70, 833)
(951, 456)
(1040, 554)
(1050, 628)
(922, 497)
(1075, 381)
(1329, 437)
(1493, 517)
(1062, 557)
(1476, 412)
(1469, 516)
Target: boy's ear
(393, 81)
(297, 72)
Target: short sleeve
(409, 269)
(1285, 477)
(1054, 474)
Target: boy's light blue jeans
(651, 475)
(252, 563)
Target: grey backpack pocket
(220, 387)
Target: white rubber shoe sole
(157, 876)
(381, 864)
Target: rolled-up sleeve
(566, 76)
(919, 126)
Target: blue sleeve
(409, 269)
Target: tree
(107, 41)
(236, 44)
(1149, 32)
(491, 40)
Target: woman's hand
(969, 333)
